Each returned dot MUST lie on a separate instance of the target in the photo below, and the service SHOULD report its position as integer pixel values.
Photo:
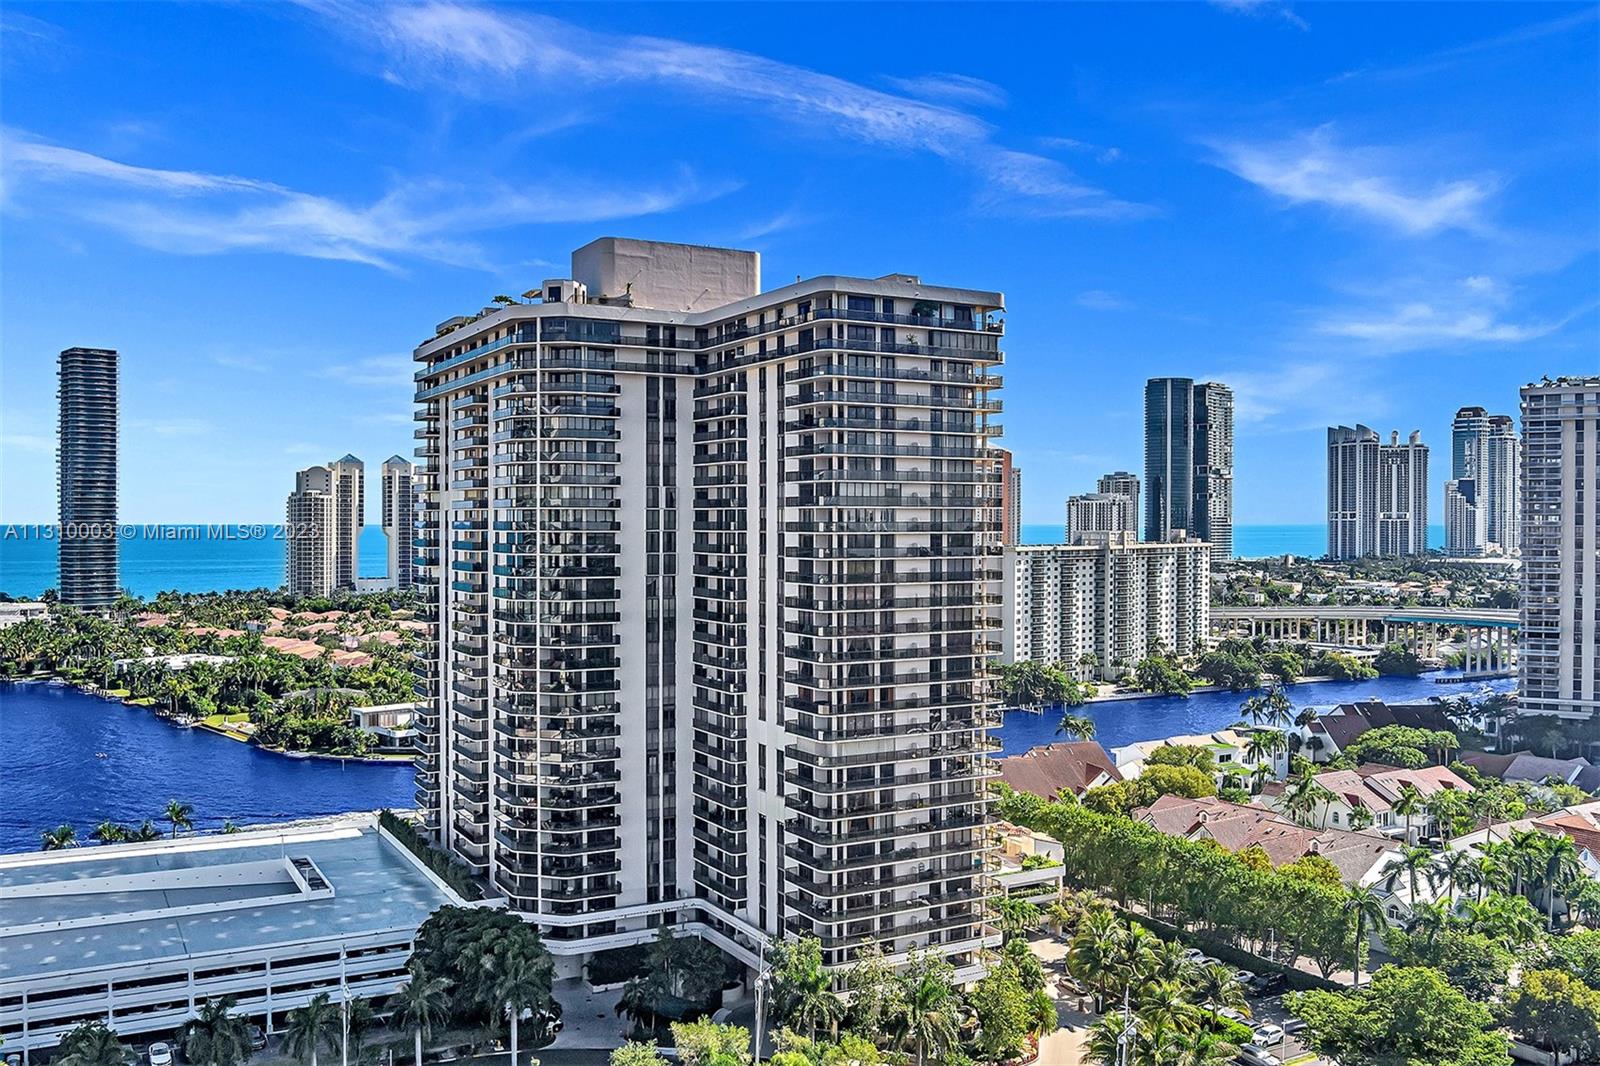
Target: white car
(1234, 1015)
(1193, 954)
(1244, 977)
(1207, 960)
(161, 1055)
(1267, 1035)
(1255, 1055)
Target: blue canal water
(1119, 722)
(50, 775)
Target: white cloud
(379, 371)
(1263, 7)
(198, 213)
(1102, 153)
(1314, 169)
(28, 442)
(169, 427)
(518, 55)
(1297, 395)
(1102, 300)
(954, 88)
(1471, 310)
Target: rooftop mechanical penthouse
(715, 575)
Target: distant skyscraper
(1168, 455)
(1188, 462)
(1377, 494)
(1101, 512)
(1010, 499)
(310, 518)
(1121, 483)
(1503, 481)
(86, 477)
(1559, 655)
(1212, 509)
(350, 514)
(1403, 496)
(399, 502)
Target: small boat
(101, 755)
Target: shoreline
(91, 689)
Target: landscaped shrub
(443, 866)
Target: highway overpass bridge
(1489, 636)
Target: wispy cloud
(1298, 395)
(1450, 58)
(233, 361)
(1102, 300)
(28, 442)
(953, 88)
(199, 213)
(478, 51)
(379, 371)
(169, 427)
(1314, 169)
(1101, 153)
(1273, 8)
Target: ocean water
(1249, 542)
(51, 734)
(182, 558)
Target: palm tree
(58, 839)
(310, 1027)
(1017, 915)
(521, 987)
(1523, 852)
(1559, 870)
(803, 988)
(180, 815)
(1215, 988)
(1409, 803)
(1264, 744)
(1199, 1048)
(1271, 707)
(231, 826)
(1412, 861)
(637, 1003)
(359, 1020)
(1453, 870)
(1076, 726)
(147, 831)
(92, 1044)
(109, 832)
(1092, 952)
(216, 1037)
(1428, 920)
(1366, 911)
(421, 1004)
(931, 1022)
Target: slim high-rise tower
(1211, 513)
(399, 521)
(1484, 462)
(1559, 657)
(1168, 456)
(714, 578)
(350, 514)
(1403, 496)
(86, 477)
(310, 520)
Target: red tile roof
(1047, 770)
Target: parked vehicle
(1255, 1055)
(1267, 1035)
(258, 1038)
(1262, 984)
(160, 1055)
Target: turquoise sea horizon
(194, 558)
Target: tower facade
(310, 521)
(713, 574)
(86, 477)
(1168, 456)
(350, 514)
(1559, 658)
(1212, 508)
(1484, 467)
(1377, 494)
(399, 521)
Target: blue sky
(1346, 212)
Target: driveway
(588, 1019)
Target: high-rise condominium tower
(399, 521)
(1010, 497)
(350, 514)
(714, 576)
(1188, 462)
(1121, 483)
(1211, 514)
(1168, 455)
(309, 519)
(86, 476)
(1559, 657)
(1377, 494)
(324, 515)
(1101, 512)
(1481, 498)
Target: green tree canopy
(1405, 1015)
